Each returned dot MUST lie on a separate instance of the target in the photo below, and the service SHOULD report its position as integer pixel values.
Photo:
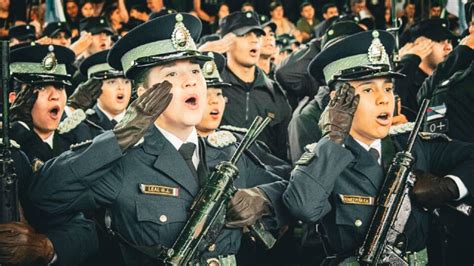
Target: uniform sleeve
(451, 158)
(303, 129)
(273, 187)
(79, 179)
(306, 196)
(74, 240)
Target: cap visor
(247, 29)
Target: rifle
(209, 207)
(393, 206)
(9, 206)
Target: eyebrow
(371, 82)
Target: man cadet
(433, 35)
(59, 33)
(41, 71)
(149, 185)
(112, 92)
(252, 92)
(339, 179)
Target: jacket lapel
(365, 164)
(169, 161)
(104, 121)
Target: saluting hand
(341, 111)
(22, 106)
(142, 113)
(86, 94)
(20, 244)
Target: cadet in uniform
(338, 180)
(114, 92)
(59, 33)
(39, 107)
(252, 92)
(42, 238)
(149, 184)
(435, 33)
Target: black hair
(140, 8)
(304, 4)
(408, 3)
(328, 6)
(274, 5)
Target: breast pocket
(161, 218)
(352, 222)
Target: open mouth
(384, 118)
(192, 101)
(120, 97)
(253, 52)
(54, 112)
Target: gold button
(163, 218)
(211, 248)
(358, 223)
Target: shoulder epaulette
(90, 111)
(403, 128)
(220, 139)
(79, 145)
(310, 152)
(430, 136)
(13, 143)
(234, 129)
(72, 121)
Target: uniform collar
(261, 79)
(110, 116)
(49, 140)
(177, 142)
(377, 144)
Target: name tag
(357, 200)
(159, 190)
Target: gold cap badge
(376, 52)
(181, 38)
(50, 62)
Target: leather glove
(341, 110)
(86, 94)
(22, 106)
(246, 207)
(142, 113)
(432, 191)
(20, 244)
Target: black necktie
(114, 123)
(375, 154)
(187, 150)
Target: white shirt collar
(177, 142)
(110, 116)
(49, 140)
(377, 144)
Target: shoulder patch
(90, 111)
(306, 158)
(220, 139)
(403, 128)
(72, 121)
(79, 145)
(234, 129)
(430, 136)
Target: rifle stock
(9, 208)
(393, 206)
